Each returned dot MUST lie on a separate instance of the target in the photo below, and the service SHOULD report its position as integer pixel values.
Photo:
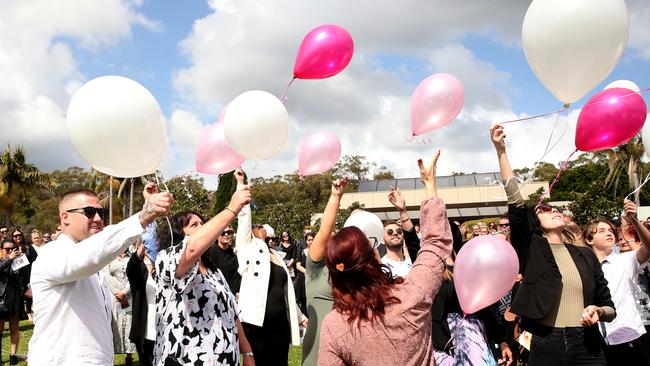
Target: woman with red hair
(378, 319)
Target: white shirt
(621, 271)
(150, 293)
(398, 268)
(72, 304)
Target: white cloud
(40, 72)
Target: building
(468, 197)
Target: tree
(593, 203)
(227, 186)
(384, 174)
(355, 168)
(189, 193)
(15, 173)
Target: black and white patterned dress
(196, 315)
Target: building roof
(445, 181)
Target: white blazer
(254, 259)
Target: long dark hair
(178, 222)
(361, 286)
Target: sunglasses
(547, 208)
(17, 235)
(396, 231)
(226, 232)
(504, 225)
(90, 212)
(3, 231)
(7, 249)
(258, 226)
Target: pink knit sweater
(404, 336)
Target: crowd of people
(192, 290)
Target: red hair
(361, 285)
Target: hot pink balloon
(610, 118)
(324, 52)
(213, 154)
(436, 102)
(485, 270)
(318, 153)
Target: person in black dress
(12, 288)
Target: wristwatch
(247, 354)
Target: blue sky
(195, 56)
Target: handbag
(3, 306)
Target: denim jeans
(566, 347)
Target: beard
(394, 245)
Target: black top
(137, 273)
(542, 281)
(276, 318)
(291, 253)
(226, 261)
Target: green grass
(26, 330)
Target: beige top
(568, 307)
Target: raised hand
(630, 209)
(396, 199)
(239, 199)
(158, 205)
(149, 189)
(428, 174)
(498, 137)
(239, 176)
(338, 187)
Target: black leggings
(145, 352)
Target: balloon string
(647, 178)
(285, 95)
(563, 167)
(413, 140)
(568, 109)
(158, 182)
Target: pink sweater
(404, 337)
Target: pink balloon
(485, 270)
(436, 102)
(318, 153)
(213, 154)
(324, 52)
(610, 118)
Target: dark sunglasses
(504, 225)
(396, 231)
(3, 231)
(258, 226)
(7, 249)
(226, 232)
(547, 208)
(17, 235)
(90, 212)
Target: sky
(196, 56)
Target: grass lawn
(26, 328)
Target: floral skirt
(470, 346)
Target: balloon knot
(566, 105)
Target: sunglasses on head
(90, 212)
(226, 232)
(397, 231)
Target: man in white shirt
(396, 257)
(72, 305)
(621, 270)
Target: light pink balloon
(436, 102)
(610, 118)
(325, 51)
(485, 270)
(213, 154)
(318, 153)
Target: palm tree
(104, 185)
(624, 158)
(15, 173)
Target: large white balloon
(573, 45)
(369, 223)
(256, 125)
(117, 126)
(625, 84)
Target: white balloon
(625, 84)
(256, 125)
(573, 45)
(117, 126)
(369, 223)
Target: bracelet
(247, 354)
(234, 213)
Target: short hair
(35, 231)
(504, 216)
(69, 194)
